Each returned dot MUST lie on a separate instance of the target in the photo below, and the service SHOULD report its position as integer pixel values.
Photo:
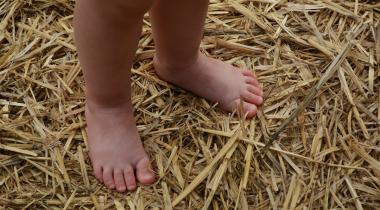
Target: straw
(314, 144)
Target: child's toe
(129, 177)
(144, 172)
(250, 110)
(252, 98)
(108, 177)
(98, 172)
(255, 90)
(119, 180)
(251, 80)
(248, 73)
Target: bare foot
(215, 81)
(116, 151)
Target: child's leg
(177, 29)
(106, 34)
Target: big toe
(249, 109)
(144, 173)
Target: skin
(106, 35)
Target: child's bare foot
(215, 81)
(116, 151)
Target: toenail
(147, 176)
(132, 188)
(122, 189)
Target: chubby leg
(106, 34)
(177, 30)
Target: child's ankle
(169, 64)
(96, 105)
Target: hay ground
(325, 157)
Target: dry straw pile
(318, 61)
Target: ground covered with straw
(318, 61)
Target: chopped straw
(314, 144)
